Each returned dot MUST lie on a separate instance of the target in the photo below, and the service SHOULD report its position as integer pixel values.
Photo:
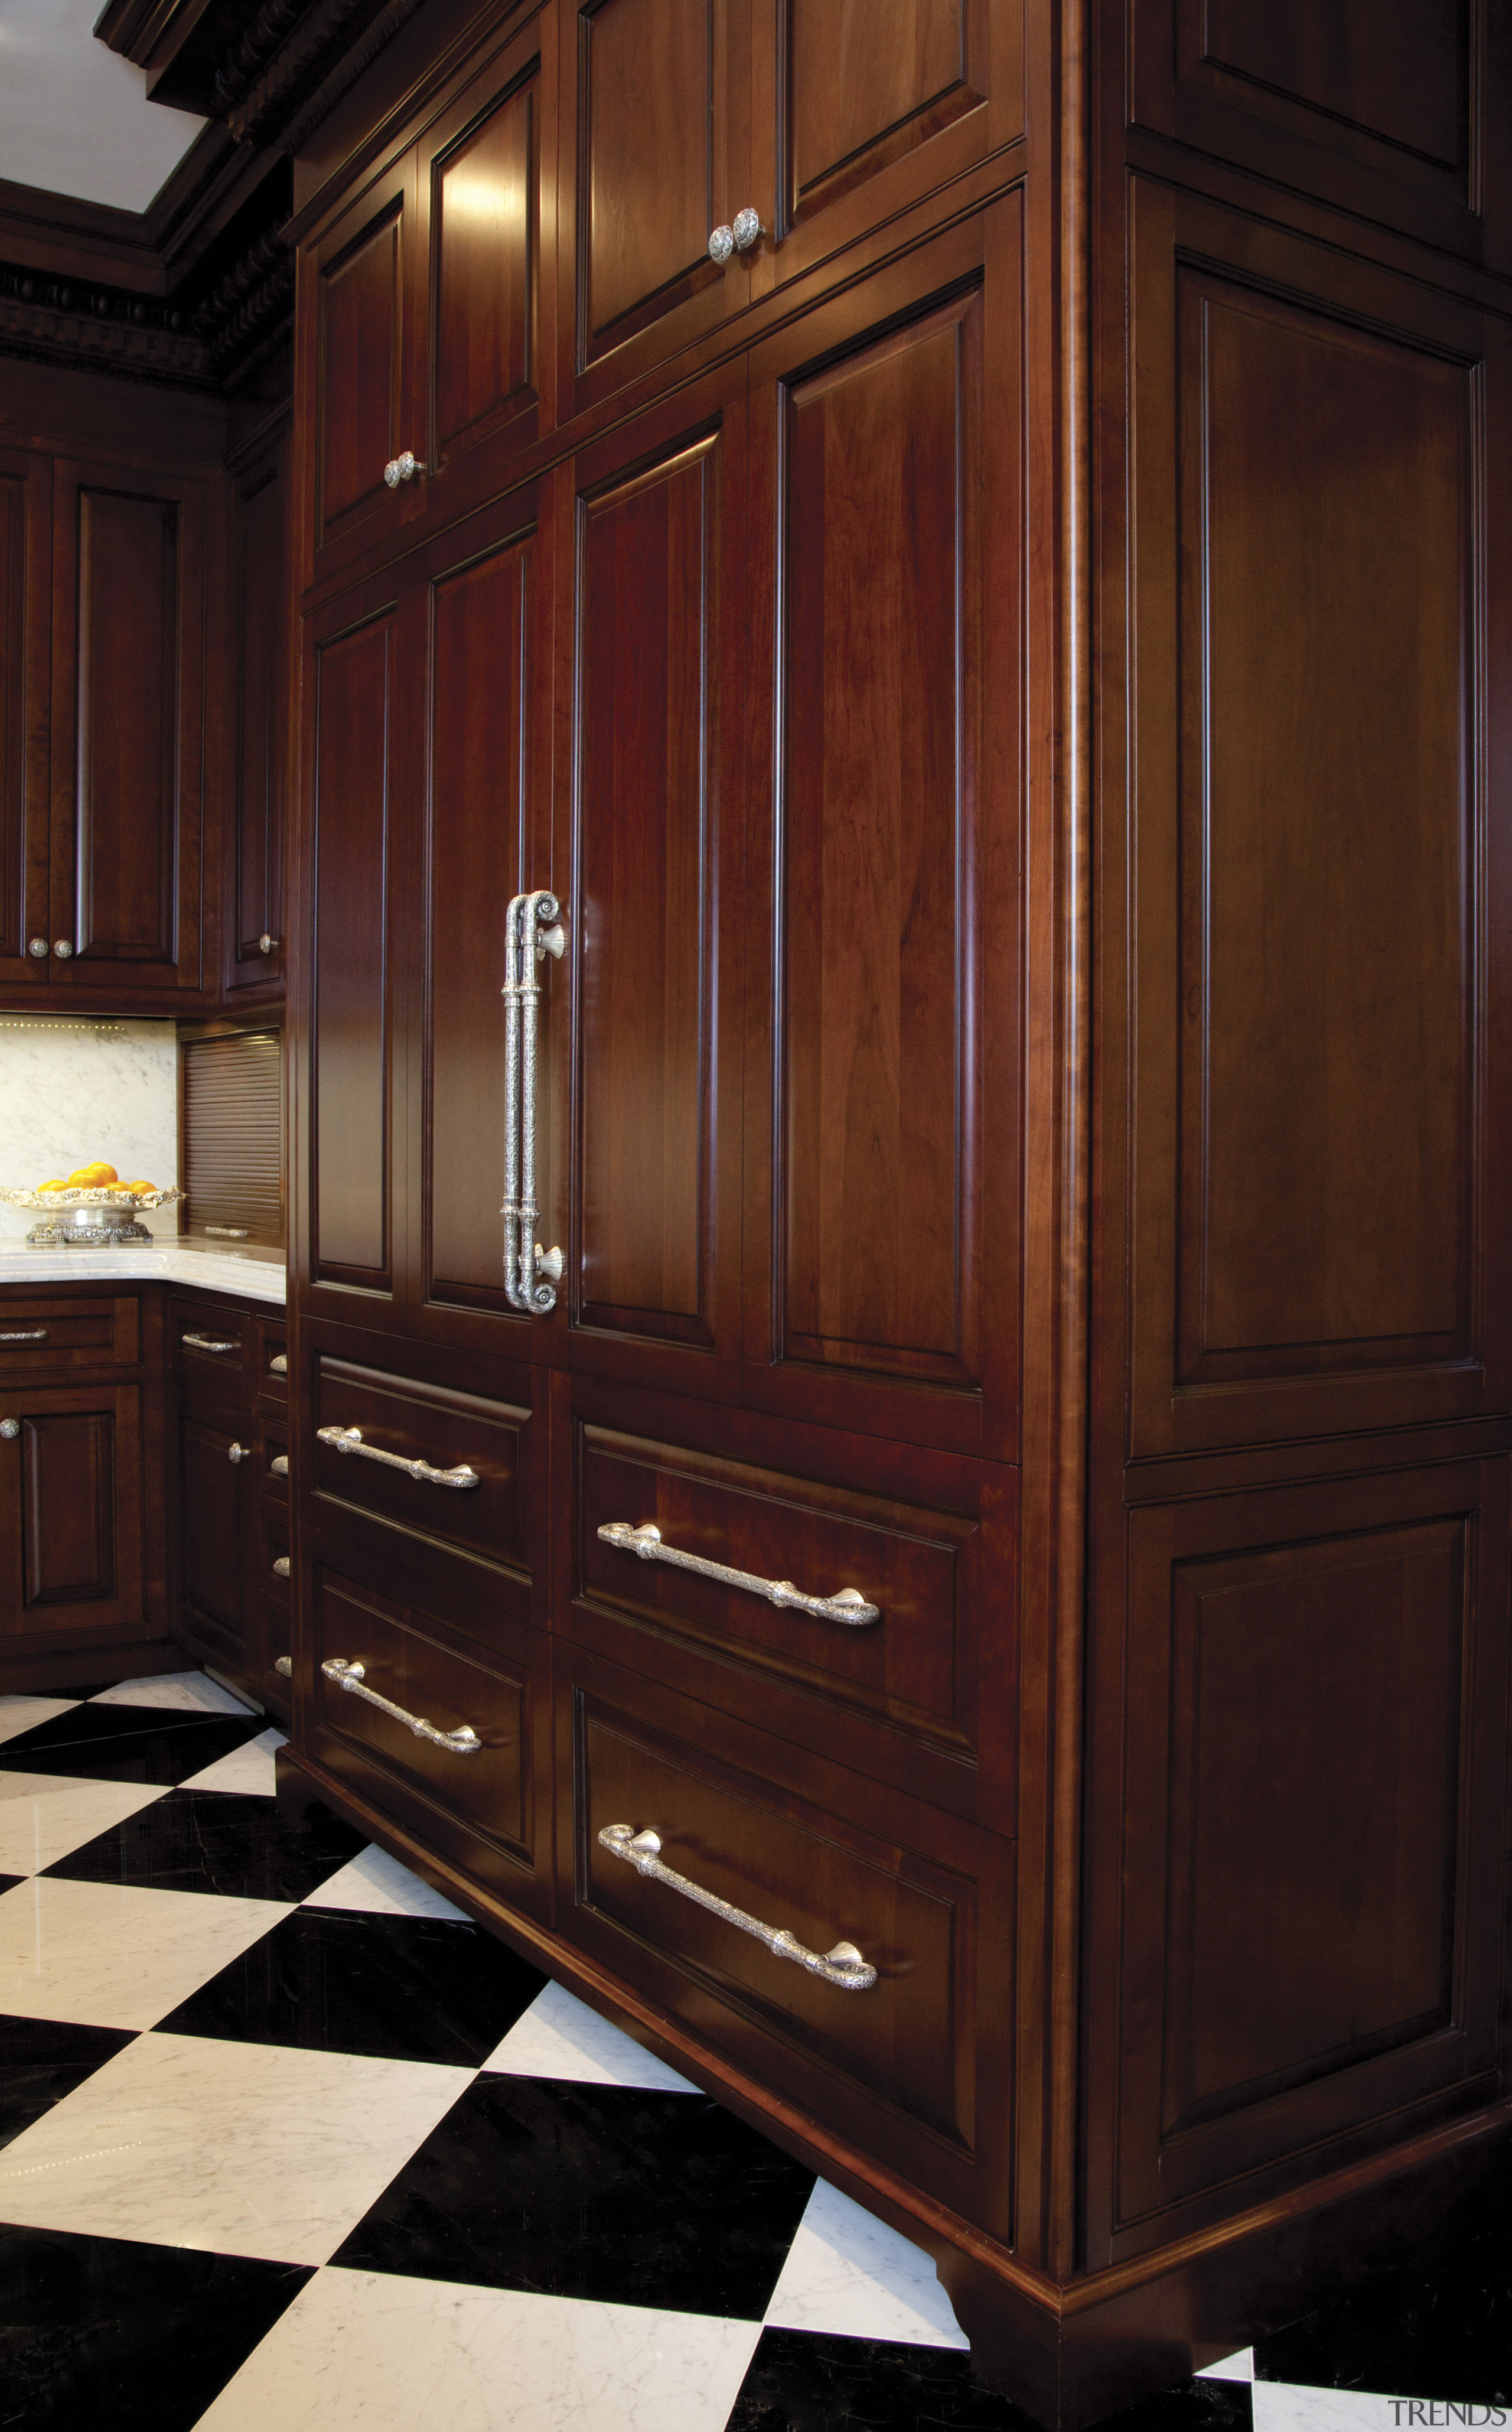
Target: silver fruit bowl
(99, 1216)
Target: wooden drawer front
(907, 2037)
(917, 1567)
(425, 1423)
(61, 1337)
(475, 1809)
(209, 1350)
(273, 1358)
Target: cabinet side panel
(351, 1077)
(879, 630)
(128, 710)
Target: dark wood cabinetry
(227, 1427)
(1015, 1113)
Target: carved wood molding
(108, 330)
(319, 62)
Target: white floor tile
(848, 2273)
(1280, 2408)
(1238, 2366)
(368, 2352)
(238, 2148)
(115, 1954)
(248, 1768)
(189, 1691)
(376, 1883)
(560, 2037)
(18, 1715)
(44, 1815)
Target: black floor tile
(398, 1988)
(1441, 2329)
(40, 2061)
(9, 1883)
(810, 2381)
(147, 1744)
(104, 2331)
(602, 2192)
(217, 1841)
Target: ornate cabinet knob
(236, 1455)
(400, 469)
(36, 946)
(266, 944)
(61, 949)
(737, 238)
(10, 1429)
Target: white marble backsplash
(71, 1091)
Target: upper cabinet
(252, 865)
(26, 549)
(419, 311)
(720, 148)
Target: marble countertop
(253, 1275)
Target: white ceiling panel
(76, 119)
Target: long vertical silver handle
(532, 931)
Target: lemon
(52, 1186)
(92, 1177)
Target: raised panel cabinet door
(1319, 969)
(485, 592)
(651, 622)
(217, 1537)
(359, 695)
(882, 1085)
(656, 155)
(127, 729)
(863, 107)
(71, 1503)
(1385, 107)
(26, 607)
(253, 921)
(358, 350)
(482, 167)
(1297, 1801)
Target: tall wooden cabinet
(1000, 663)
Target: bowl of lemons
(91, 1204)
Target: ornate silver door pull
(842, 1966)
(350, 1439)
(463, 1740)
(208, 1342)
(25, 1334)
(532, 931)
(847, 1605)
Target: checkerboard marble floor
(287, 2145)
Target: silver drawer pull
(463, 1740)
(280, 1568)
(285, 1665)
(350, 1439)
(278, 1364)
(279, 1465)
(208, 1342)
(25, 1334)
(847, 1605)
(228, 1232)
(842, 1966)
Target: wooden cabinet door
(484, 168)
(217, 1464)
(127, 729)
(361, 695)
(253, 919)
(655, 154)
(357, 371)
(71, 1513)
(643, 1015)
(881, 1088)
(26, 607)
(477, 621)
(861, 109)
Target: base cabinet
(228, 1436)
(71, 1497)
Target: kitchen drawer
(63, 1337)
(210, 1350)
(450, 1434)
(271, 1357)
(893, 2060)
(475, 1803)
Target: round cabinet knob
(10, 1429)
(266, 944)
(61, 949)
(400, 469)
(738, 237)
(237, 1454)
(38, 946)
